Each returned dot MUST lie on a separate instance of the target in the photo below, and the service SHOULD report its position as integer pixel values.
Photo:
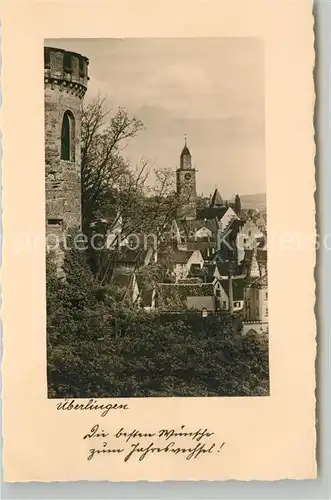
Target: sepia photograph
(165, 243)
(156, 218)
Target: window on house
(249, 233)
(68, 137)
(224, 304)
(266, 295)
(218, 292)
(257, 310)
(266, 312)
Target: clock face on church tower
(187, 176)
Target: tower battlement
(66, 69)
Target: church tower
(186, 186)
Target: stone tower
(186, 185)
(65, 83)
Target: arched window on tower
(68, 137)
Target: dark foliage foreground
(100, 347)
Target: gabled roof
(238, 285)
(182, 256)
(212, 212)
(223, 268)
(210, 271)
(206, 273)
(130, 256)
(216, 200)
(190, 227)
(235, 225)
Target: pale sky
(211, 89)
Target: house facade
(248, 238)
(256, 312)
(183, 260)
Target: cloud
(211, 89)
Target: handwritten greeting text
(135, 443)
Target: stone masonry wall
(63, 178)
(65, 83)
(186, 190)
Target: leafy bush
(99, 347)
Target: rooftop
(190, 227)
(174, 296)
(182, 256)
(131, 256)
(217, 200)
(200, 303)
(185, 151)
(212, 212)
(238, 285)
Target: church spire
(185, 157)
(217, 200)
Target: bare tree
(110, 186)
(104, 168)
